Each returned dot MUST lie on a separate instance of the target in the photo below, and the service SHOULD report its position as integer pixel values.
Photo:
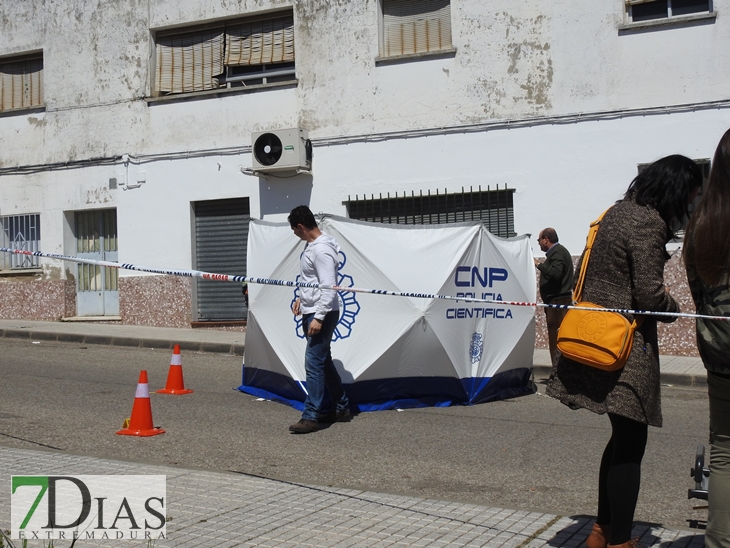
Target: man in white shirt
(320, 312)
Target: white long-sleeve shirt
(318, 264)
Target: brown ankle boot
(599, 536)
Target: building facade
(126, 129)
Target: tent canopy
(394, 351)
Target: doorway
(221, 238)
(97, 289)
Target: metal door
(221, 236)
(97, 290)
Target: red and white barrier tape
(287, 283)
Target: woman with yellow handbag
(707, 257)
(626, 271)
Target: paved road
(530, 453)
(677, 370)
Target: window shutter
(189, 62)
(221, 236)
(260, 42)
(416, 26)
(21, 84)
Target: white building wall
(564, 176)
(546, 93)
(513, 60)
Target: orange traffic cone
(140, 424)
(175, 384)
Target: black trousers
(620, 476)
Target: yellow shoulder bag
(592, 337)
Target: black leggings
(620, 476)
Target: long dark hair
(707, 240)
(666, 186)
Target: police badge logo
(476, 348)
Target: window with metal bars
(415, 26)
(242, 52)
(493, 207)
(21, 82)
(22, 232)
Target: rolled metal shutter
(221, 236)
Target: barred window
(494, 208)
(242, 52)
(21, 82)
(21, 232)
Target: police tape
(288, 283)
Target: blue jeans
(322, 376)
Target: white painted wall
(564, 176)
(535, 59)
(513, 60)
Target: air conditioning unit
(281, 150)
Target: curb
(540, 371)
(677, 379)
(672, 379)
(194, 346)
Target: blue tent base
(398, 393)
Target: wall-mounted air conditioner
(281, 150)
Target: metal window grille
(20, 232)
(494, 208)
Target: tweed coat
(625, 270)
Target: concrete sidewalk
(224, 509)
(675, 370)
(116, 334)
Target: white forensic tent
(395, 351)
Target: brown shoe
(304, 426)
(634, 543)
(599, 536)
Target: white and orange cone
(175, 383)
(140, 423)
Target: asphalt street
(528, 453)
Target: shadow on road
(581, 526)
